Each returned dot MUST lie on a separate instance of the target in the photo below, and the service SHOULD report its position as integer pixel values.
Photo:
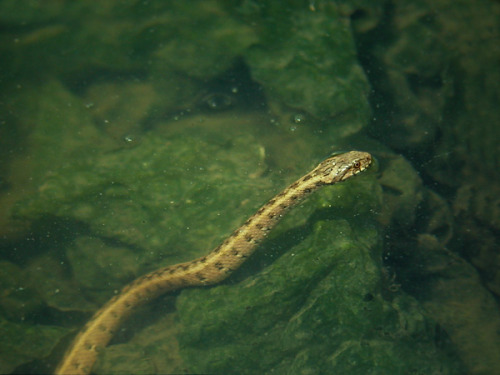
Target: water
(140, 134)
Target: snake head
(340, 167)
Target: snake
(206, 270)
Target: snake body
(207, 270)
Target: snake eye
(357, 165)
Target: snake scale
(207, 270)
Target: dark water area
(140, 134)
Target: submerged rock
(318, 307)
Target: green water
(138, 134)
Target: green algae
(307, 61)
(153, 202)
(25, 342)
(17, 300)
(94, 264)
(48, 276)
(313, 299)
(319, 307)
(120, 194)
(153, 349)
(157, 203)
(301, 271)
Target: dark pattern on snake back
(207, 270)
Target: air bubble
(298, 118)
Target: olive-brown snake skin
(207, 270)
